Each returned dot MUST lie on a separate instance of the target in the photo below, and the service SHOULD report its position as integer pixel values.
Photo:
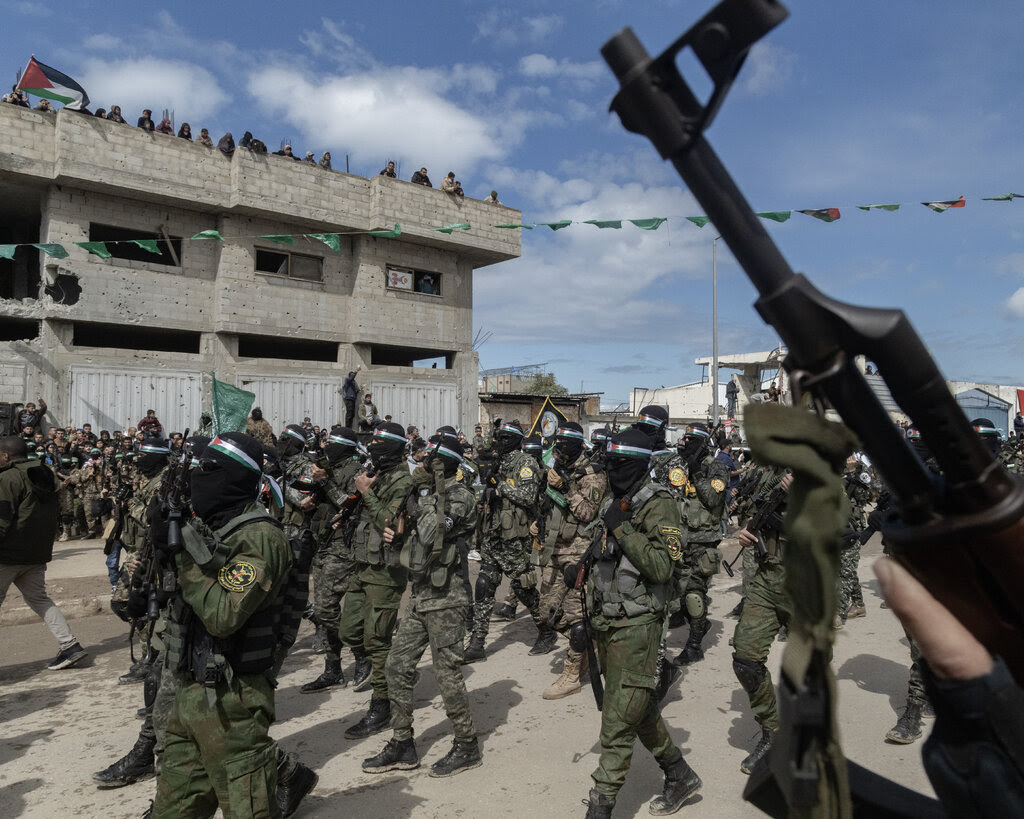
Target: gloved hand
(615, 516)
(554, 479)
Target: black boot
(547, 639)
(398, 755)
(474, 650)
(692, 651)
(681, 782)
(676, 619)
(376, 720)
(599, 806)
(464, 756)
(764, 745)
(503, 611)
(294, 787)
(133, 767)
(908, 727)
(137, 673)
(361, 673)
(333, 677)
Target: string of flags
(333, 240)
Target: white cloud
(102, 42)
(153, 83)
(1015, 304)
(395, 111)
(768, 68)
(540, 65)
(508, 29)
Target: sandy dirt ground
(59, 727)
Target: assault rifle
(767, 514)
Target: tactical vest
(620, 590)
(562, 525)
(703, 523)
(418, 557)
(368, 544)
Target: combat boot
(377, 718)
(294, 787)
(361, 674)
(504, 611)
(764, 745)
(681, 782)
(398, 755)
(856, 610)
(138, 671)
(599, 806)
(692, 651)
(908, 727)
(464, 756)
(333, 677)
(547, 639)
(474, 652)
(133, 767)
(569, 681)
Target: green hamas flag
(231, 406)
(388, 234)
(329, 239)
(699, 221)
(648, 224)
(605, 223)
(96, 248)
(279, 238)
(52, 249)
(775, 215)
(146, 244)
(557, 225)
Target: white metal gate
(288, 399)
(117, 398)
(426, 404)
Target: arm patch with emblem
(718, 484)
(526, 473)
(673, 539)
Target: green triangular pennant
(209, 234)
(699, 221)
(879, 207)
(388, 234)
(7, 251)
(146, 244)
(605, 223)
(512, 227)
(557, 225)
(96, 248)
(1004, 197)
(776, 215)
(649, 224)
(52, 249)
(329, 239)
(279, 238)
(449, 228)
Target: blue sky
(843, 104)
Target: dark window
(290, 349)
(425, 282)
(120, 244)
(17, 329)
(294, 265)
(389, 355)
(89, 334)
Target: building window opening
(153, 247)
(16, 329)
(122, 337)
(292, 265)
(289, 349)
(424, 282)
(386, 355)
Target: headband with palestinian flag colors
(651, 420)
(449, 453)
(697, 431)
(380, 432)
(512, 430)
(155, 449)
(271, 485)
(627, 451)
(569, 432)
(297, 436)
(234, 452)
(342, 441)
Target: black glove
(615, 516)
(569, 574)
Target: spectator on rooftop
(309, 158)
(246, 140)
(421, 178)
(458, 189)
(44, 105)
(165, 127)
(17, 97)
(492, 199)
(227, 144)
(146, 121)
(286, 151)
(258, 146)
(101, 113)
(448, 183)
(390, 171)
(204, 139)
(115, 114)
(325, 160)
(185, 131)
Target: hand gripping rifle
(767, 515)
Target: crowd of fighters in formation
(609, 543)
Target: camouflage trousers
(90, 500)
(331, 574)
(850, 593)
(219, 753)
(916, 692)
(502, 557)
(629, 659)
(369, 616)
(443, 629)
(552, 588)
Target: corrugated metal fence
(116, 398)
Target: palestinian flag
(939, 207)
(44, 81)
(825, 214)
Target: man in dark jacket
(28, 524)
(350, 392)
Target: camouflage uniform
(334, 564)
(858, 483)
(297, 486)
(89, 481)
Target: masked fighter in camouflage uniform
(857, 481)
(628, 585)
(445, 513)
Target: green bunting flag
(231, 406)
(449, 228)
(513, 227)
(279, 238)
(7, 251)
(776, 215)
(96, 249)
(699, 221)
(388, 234)
(824, 214)
(209, 234)
(648, 224)
(557, 225)
(52, 249)
(1005, 197)
(147, 244)
(329, 239)
(879, 207)
(942, 207)
(605, 223)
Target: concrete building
(103, 340)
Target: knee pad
(485, 587)
(578, 637)
(749, 673)
(695, 607)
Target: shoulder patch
(595, 494)
(510, 481)
(676, 476)
(459, 474)
(526, 473)
(673, 540)
(237, 577)
(718, 484)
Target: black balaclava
(599, 441)
(257, 414)
(227, 478)
(532, 446)
(628, 460)
(291, 441)
(387, 446)
(509, 437)
(569, 441)
(695, 445)
(652, 422)
(341, 444)
(196, 445)
(989, 434)
(446, 447)
(153, 455)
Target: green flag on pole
(96, 248)
(231, 406)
